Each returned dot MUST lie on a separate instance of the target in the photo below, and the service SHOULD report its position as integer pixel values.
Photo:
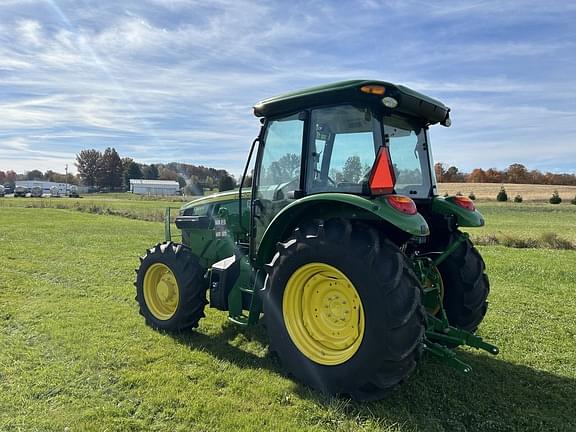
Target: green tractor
(342, 244)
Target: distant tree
(517, 173)
(247, 181)
(181, 181)
(34, 175)
(10, 178)
(2, 177)
(494, 176)
(226, 183)
(131, 171)
(283, 170)
(150, 172)
(453, 175)
(87, 162)
(477, 175)
(440, 171)
(352, 171)
(165, 173)
(110, 169)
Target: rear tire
(392, 320)
(466, 286)
(170, 287)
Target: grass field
(76, 354)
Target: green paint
(327, 205)
(464, 218)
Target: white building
(45, 185)
(154, 187)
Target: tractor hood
(216, 198)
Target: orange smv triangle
(382, 178)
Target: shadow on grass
(496, 396)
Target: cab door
(278, 171)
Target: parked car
(8, 189)
(54, 192)
(36, 192)
(20, 191)
(2, 191)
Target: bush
(472, 196)
(518, 198)
(445, 194)
(573, 201)
(502, 195)
(458, 193)
(555, 198)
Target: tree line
(107, 171)
(515, 173)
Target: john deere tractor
(341, 244)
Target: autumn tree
(87, 163)
(440, 171)
(517, 173)
(477, 175)
(494, 176)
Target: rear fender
(328, 205)
(464, 218)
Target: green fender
(328, 205)
(464, 218)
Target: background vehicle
(2, 191)
(73, 192)
(20, 191)
(54, 192)
(342, 242)
(36, 192)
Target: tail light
(403, 204)
(382, 178)
(464, 202)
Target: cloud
(164, 80)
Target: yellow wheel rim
(323, 314)
(161, 292)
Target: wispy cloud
(165, 80)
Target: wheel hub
(161, 292)
(323, 313)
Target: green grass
(528, 219)
(76, 354)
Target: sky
(175, 80)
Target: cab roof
(410, 102)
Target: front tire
(170, 287)
(343, 310)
